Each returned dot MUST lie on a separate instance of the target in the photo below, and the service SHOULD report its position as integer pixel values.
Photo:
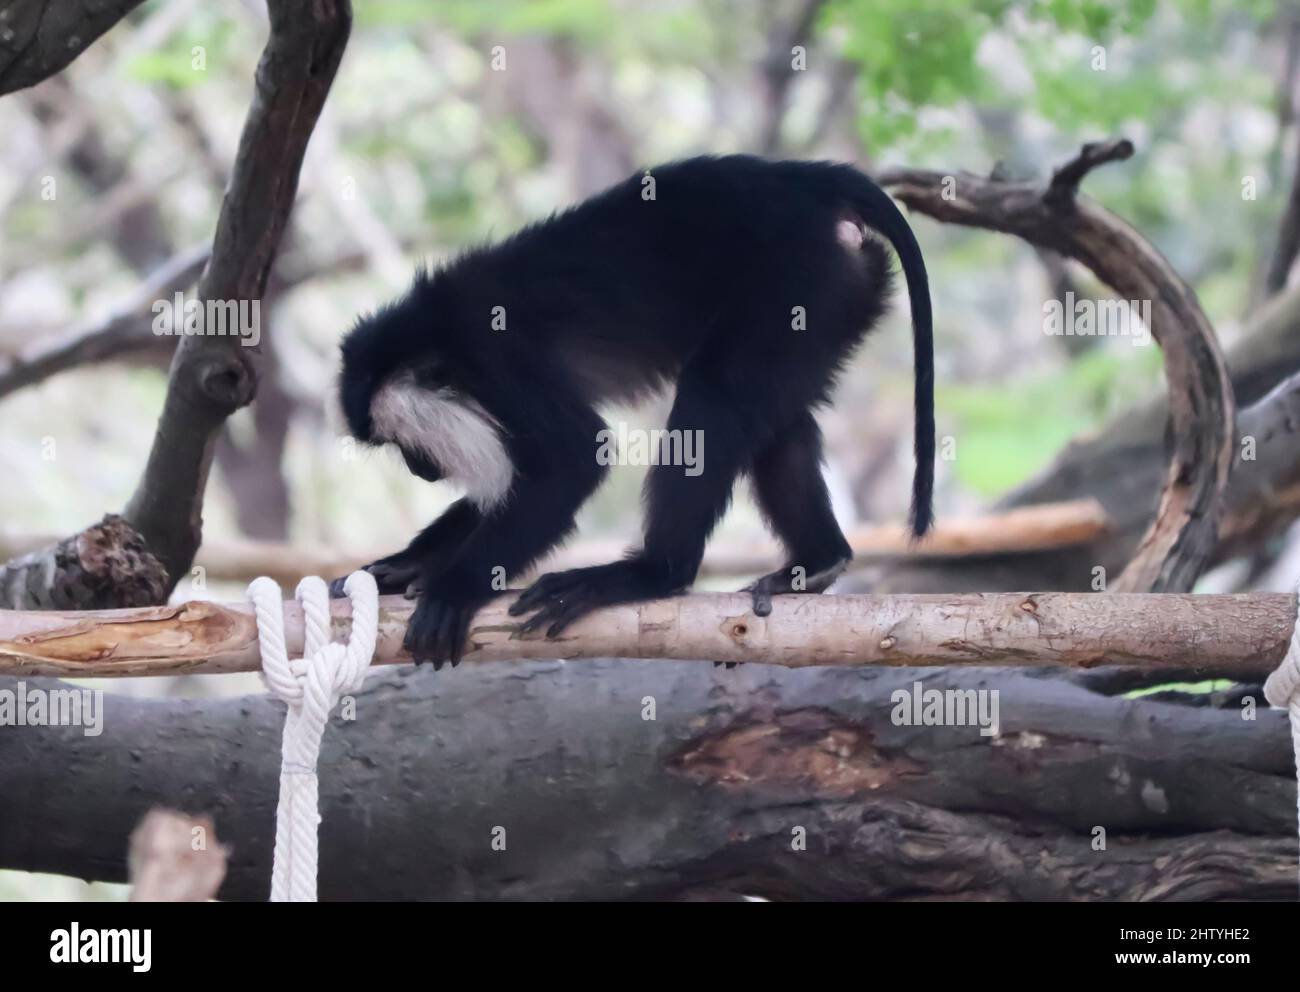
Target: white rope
(310, 686)
(1282, 689)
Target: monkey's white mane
(453, 431)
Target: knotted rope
(310, 686)
(1282, 689)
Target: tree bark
(106, 562)
(41, 37)
(598, 802)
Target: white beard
(452, 431)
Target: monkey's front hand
(392, 576)
(439, 626)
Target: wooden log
(632, 780)
(1235, 636)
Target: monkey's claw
(762, 590)
(438, 631)
(793, 579)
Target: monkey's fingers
(761, 598)
(558, 616)
(546, 588)
(539, 619)
(393, 576)
(423, 635)
(458, 631)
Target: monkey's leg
(791, 492)
(684, 503)
(442, 538)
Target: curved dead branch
(1181, 540)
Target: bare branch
(1064, 186)
(41, 37)
(127, 330)
(105, 563)
(1242, 637)
(778, 72)
(1044, 526)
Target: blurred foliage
(916, 54)
(1004, 436)
(208, 35)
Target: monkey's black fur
(611, 299)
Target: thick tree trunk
(594, 800)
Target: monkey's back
(631, 284)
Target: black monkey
(745, 282)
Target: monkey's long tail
(879, 211)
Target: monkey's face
(420, 465)
(397, 388)
(442, 431)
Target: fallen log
(1235, 636)
(631, 780)
(1043, 527)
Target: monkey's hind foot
(560, 598)
(793, 579)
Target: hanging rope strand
(310, 687)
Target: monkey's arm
(439, 541)
(538, 513)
